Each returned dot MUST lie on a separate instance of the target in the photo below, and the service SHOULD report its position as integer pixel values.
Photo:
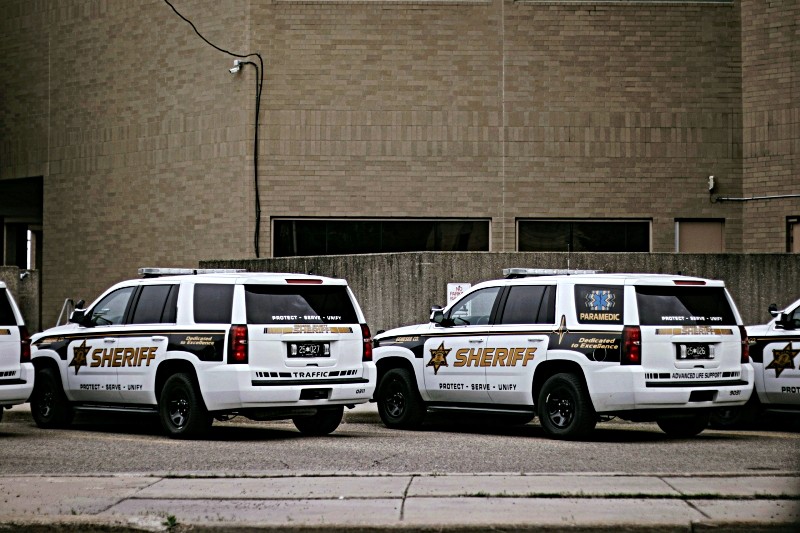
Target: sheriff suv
(194, 347)
(774, 351)
(571, 348)
(16, 370)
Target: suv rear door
(10, 342)
(689, 334)
(303, 332)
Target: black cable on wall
(259, 85)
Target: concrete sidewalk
(427, 502)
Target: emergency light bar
(512, 273)
(158, 272)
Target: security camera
(237, 66)
(711, 184)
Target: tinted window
(584, 236)
(151, 307)
(529, 304)
(599, 304)
(7, 317)
(111, 309)
(683, 306)
(475, 308)
(213, 303)
(299, 304)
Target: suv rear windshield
(683, 306)
(7, 317)
(299, 304)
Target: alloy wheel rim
(560, 408)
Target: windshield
(702, 306)
(298, 304)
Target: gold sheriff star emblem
(79, 354)
(783, 359)
(439, 357)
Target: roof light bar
(158, 272)
(512, 273)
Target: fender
(400, 351)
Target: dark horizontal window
(701, 306)
(299, 304)
(334, 237)
(584, 236)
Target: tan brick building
(390, 125)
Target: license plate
(695, 351)
(309, 349)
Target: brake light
(237, 348)
(299, 281)
(367, 340)
(631, 346)
(25, 342)
(745, 345)
(689, 282)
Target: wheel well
(40, 363)
(550, 368)
(389, 363)
(170, 367)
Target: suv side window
(475, 308)
(530, 304)
(7, 317)
(111, 309)
(156, 304)
(213, 303)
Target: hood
(58, 330)
(404, 330)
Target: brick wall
(494, 109)
(771, 111)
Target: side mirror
(437, 315)
(784, 321)
(773, 309)
(77, 316)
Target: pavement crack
(684, 497)
(405, 497)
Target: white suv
(16, 370)
(198, 346)
(572, 349)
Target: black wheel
(399, 403)
(684, 425)
(49, 405)
(736, 417)
(564, 407)
(323, 423)
(183, 414)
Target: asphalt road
(134, 444)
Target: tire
(49, 405)
(399, 403)
(564, 407)
(324, 422)
(181, 409)
(684, 425)
(736, 417)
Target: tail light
(367, 341)
(745, 345)
(631, 346)
(25, 342)
(237, 347)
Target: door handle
(536, 339)
(109, 340)
(157, 338)
(475, 341)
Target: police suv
(571, 348)
(16, 370)
(194, 347)
(774, 350)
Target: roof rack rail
(150, 272)
(513, 273)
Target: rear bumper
(18, 389)
(624, 388)
(231, 387)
